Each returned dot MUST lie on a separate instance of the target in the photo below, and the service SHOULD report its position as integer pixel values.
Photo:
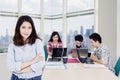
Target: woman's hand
(28, 64)
(37, 59)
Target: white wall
(107, 24)
(118, 28)
(4, 73)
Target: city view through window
(6, 39)
(80, 19)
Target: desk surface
(76, 71)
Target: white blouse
(19, 54)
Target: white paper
(94, 65)
(55, 65)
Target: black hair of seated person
(96, 37)
(79, 38)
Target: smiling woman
(25, 58)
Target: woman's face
(55, 38)
(25, 30)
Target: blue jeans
(14, 77)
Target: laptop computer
(82, 52)
(83, 55)
(58, 53)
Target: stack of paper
(94, 65)
(55, 65)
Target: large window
(31, 6)
(8, 5)
(79, 5)
(53, 7)
(80, 18)
(37, 25)
(50, 26)
(7, 25)
(81, 24)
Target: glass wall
(31, 6)
(79, 5)
(7, 27)
(83, 25)
(80, 18)
(53, 7)
(8, 5)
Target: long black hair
(53, 34)
(96, 37)
(17, 39)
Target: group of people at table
(26, 57)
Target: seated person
(54, 42)
(78, 44)
(102, 53)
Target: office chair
(45, 50)
(117, 67)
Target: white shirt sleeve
(11, 62)
(39, 50)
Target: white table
(77, 71)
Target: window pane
(31, 6)
(8, 5)
(47, 30)
(78, 5)
(6, 32)
(83, 25)
(37, 25)
(53, 7)
(50, 26)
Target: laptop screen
(59, 52)
(82, 52)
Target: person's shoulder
(38, 41)
(104, 46)
(50, 42)
(11, 44)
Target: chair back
(45, 50)
(117, 67)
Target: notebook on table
(73, 60)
